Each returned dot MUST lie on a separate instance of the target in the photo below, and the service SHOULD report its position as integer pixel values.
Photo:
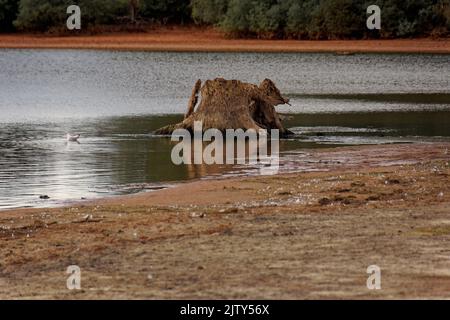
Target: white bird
(72, 138)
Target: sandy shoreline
(209, 40)
(288, 236)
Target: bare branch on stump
(194, 98)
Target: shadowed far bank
(185, 39)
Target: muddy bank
(210, 40)
(289, 236)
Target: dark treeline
(297, 19)
(324, 19)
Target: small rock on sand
(324, 201)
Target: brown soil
(196, 39)
(289, 236)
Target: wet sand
(211, 40)
(287, 236)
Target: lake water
(116, 99)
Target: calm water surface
(116, 99)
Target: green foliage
(334, 19)
(342, 19)
(444, 10)
(302, 19)
(265, 17)
(413, 17)
(98, 12)
(43, 15)
(165, 11)
(40, 15)
(208, 11)
(8, 13)
(236, 19)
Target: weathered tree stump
(232, 104)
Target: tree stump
(232, 104)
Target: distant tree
(236, 19)
(342, 19)
(413, 17)
(8, 13)
(299, 18)
(166, 11)
(265, 18)
(134, 6)
(98, 12)
(443, 7)
(209, 11)
(42, 15)
(426, 19)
